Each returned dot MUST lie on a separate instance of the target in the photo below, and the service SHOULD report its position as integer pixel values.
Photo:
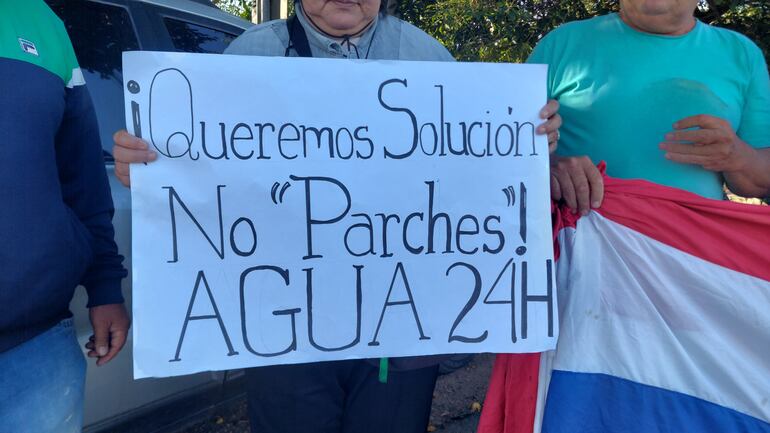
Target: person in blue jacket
(55, 226)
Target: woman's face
(341, 17)
(659, 16)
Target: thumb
(101, 338)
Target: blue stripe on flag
(599, 403)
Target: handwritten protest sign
(308, 210)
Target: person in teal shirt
(659, 96)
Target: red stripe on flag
(720, 232)
(511, 399)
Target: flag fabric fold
(664, 305)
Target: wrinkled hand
(129, 149)
(551, 126)
(110, 323)
(576, 180)
(713, 144)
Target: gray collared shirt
(388, 38)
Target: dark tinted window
(193, 38)
(100, 33)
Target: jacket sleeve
(86, 190)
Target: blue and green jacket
(55, 204)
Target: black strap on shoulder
(297, 38)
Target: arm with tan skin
(129, 149)
(754, 180)
(716, 147)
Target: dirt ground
(456, 404)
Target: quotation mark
(277, 191)
(510, 195)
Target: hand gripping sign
(307, 210)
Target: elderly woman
(342, 396)
(660, 96)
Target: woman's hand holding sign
(129, 149)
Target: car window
(100, 33)
(193, 38)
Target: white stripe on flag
(637, 309)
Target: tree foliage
(240, 8)
(507, 30)
(752, 18)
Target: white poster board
(308, 210)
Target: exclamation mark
(133, 88)
(522, 218)
(136, 119)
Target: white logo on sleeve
(28, 46)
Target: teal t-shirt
(621, 91)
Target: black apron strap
(297, 38)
